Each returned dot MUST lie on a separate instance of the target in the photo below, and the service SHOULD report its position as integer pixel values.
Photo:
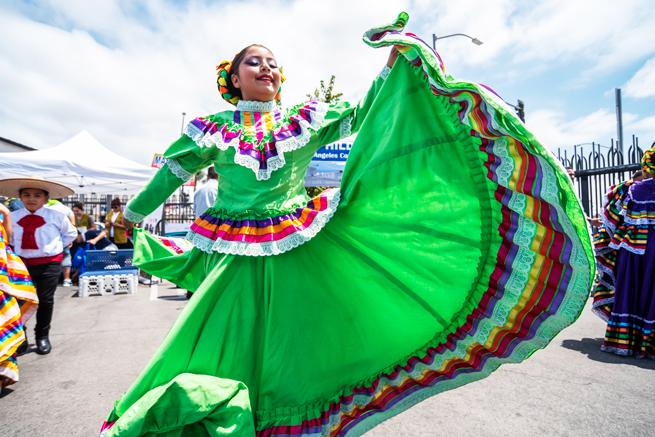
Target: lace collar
(256, 106)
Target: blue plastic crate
(107, 261)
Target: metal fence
(596, 170)
(178, 208)
(94, 204)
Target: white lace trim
(628, 247)
(132, 216)
(256, 106)
(639, 221)
(346, 127)
(271, 247)
(286, 145)
(178, 170)
(385, 72)
(216, 139)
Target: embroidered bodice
(261, 154)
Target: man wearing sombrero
(40, 235)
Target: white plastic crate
(108, 284)
(91, 285)
(124, 283)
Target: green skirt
(458, 245)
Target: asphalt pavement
(101, 343)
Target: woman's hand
(393, 55)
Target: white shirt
(51, 237)
(205, 197)
(58, 206)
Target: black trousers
(45, 278)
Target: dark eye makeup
(256, 60)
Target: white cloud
(126, 71)
(532, 37)
(130, 93)
(642, 84)
(553, 129)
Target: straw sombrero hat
(12, 186)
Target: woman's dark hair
(78, 205)
(234, 68)
(116, 202)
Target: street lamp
(182, 128)
(475, 41)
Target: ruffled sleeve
(184, 158)
(343, 119)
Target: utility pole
(520, 109)
(619, 119)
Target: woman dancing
(454, 244)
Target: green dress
(454, 244)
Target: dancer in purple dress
(625, 254)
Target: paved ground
(101, 343)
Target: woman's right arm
(184, 158)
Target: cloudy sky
(126, 70)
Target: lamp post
(182, 127)
(475, 41)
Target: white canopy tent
(81, 163)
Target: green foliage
(315, 191)
(326, 93)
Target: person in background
(97, 240)
(39, 238)
(83, 221)
(66, 263)
(13, 204)
(205, 197)
(116, 227)
(624, 295)
(18, 302)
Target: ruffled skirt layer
(18, 302)
(631, 315)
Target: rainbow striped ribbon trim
(213, 232)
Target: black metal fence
(599, 168)
(178, 208)
(94, 204)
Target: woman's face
(33, 198)
(78, 212)
(258, 76)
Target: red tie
(30, 224)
